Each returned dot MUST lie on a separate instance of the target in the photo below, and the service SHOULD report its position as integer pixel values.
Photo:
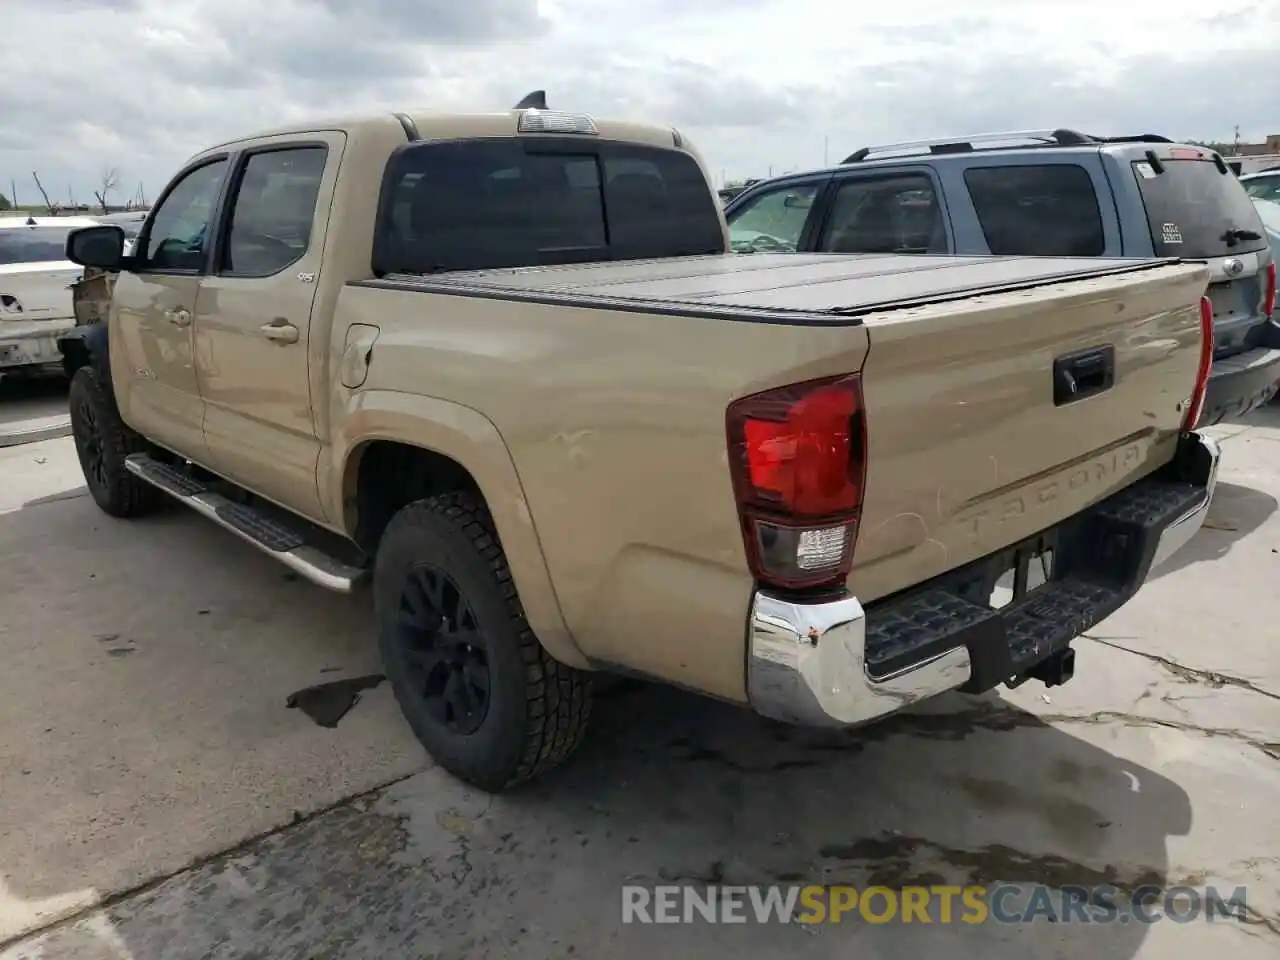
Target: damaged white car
(35, 288)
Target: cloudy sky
(760, 85)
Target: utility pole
(1236, 143)
(13, 192)
(826, 142)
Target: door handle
(280, 332)
(179, 316)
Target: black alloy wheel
(88, 436)
(444, 650)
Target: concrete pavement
(170, 784)
(32, 409)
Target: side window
(1264, 188)
(179, 229)
(1037, 211)
(897, 214)
(272, 213)
(772, 222)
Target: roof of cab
(435, 125)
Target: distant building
(1270, 145)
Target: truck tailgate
(975, 438)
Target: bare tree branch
(110, 179)
(40, 186)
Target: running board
(265, 533)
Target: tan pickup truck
(503, 366)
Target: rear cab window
(1195, 210)
(480, 204)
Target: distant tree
(110, 180)
(48, 204)
(4, 202)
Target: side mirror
(101, 246)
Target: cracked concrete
(1156, 765)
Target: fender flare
(86, 346)
(470, 439)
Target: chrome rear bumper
(1175, 536)
(807, 662)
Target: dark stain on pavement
(327, 703)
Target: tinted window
(1263, 188)
(1194, 210)
(468, 205)
(1037, 211)
(772, 221)
(885, 215)
(273, 209)
(180, 228)
(33, 244)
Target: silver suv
(1045, 193)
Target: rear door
(253, 334)
(885, 211)
(1197, 211)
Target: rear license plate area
(1020, 573)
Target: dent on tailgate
(968, 450)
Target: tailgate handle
(1080, 375)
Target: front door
(152, 312)
(253, 321)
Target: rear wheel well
(392, 475)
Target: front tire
(102, 442)
(478, 689)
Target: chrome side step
(251, 525)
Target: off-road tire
(98, 430)
(538, 708)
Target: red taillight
(1269, 291)
(1196, 405)
(798, 458)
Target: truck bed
(833, 289)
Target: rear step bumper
(834, 663)
(268, 536)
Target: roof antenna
(533, 101)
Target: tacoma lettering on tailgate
(980, 519)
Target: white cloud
(758, 84)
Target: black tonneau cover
(767, 286)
